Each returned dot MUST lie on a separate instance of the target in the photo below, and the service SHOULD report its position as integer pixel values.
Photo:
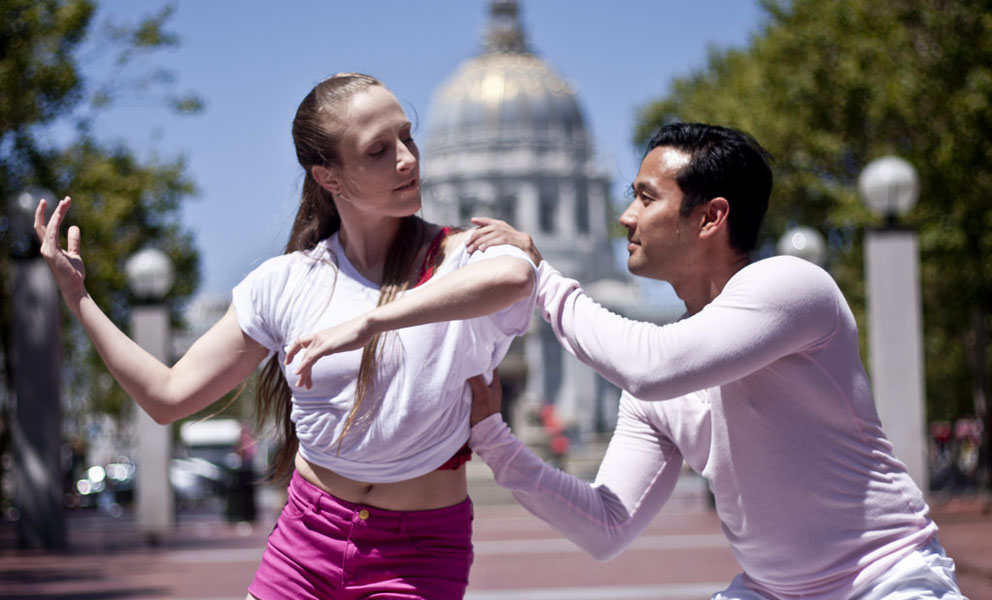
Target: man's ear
(713, 217)
(327, 178)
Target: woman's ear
(327, 178)
(714, 216)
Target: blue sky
(253, 61)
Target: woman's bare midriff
(437, 489)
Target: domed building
(507, 139)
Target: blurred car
(195, 480)
(106, 487)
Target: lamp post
(150, 276)
(36, 427)
(890, 187)
(803, 242)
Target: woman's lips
(407, 186)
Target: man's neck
(700, 291)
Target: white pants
(926, 574)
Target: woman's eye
(377, 152)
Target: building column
(567, 228)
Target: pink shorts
(323, 547)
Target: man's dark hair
(726, 163)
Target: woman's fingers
(292, 349)
(49, 234)
(39, 220)
(302, 370)
(74, 241)
(343, 337)
(303, 380)
(306, 363)
(55, 223)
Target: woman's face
(380, 163)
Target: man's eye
(376, 153)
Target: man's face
(659, 240)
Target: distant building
(507, 139)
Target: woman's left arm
(477, 289)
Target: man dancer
(760, 388)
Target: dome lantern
(506, 96)
(504, 34)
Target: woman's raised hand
(493, 232)
(66, 264)
(350, 335)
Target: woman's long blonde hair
(316, 135)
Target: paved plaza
(682, 555)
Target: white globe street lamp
(889, 186)
(803, 242)
(150, 276)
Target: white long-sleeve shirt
(763, 393)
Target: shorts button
(363, 514)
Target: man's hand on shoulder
(486, 398)
(493, 232)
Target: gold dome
(505, 93)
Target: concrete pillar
(36, 429)
(155, 510)
(527, 210)
(566, 226)
(895, 344)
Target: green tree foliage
(827, 86)
(120, 202)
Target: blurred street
(681, 556)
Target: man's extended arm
(767, 312)
(635, 479)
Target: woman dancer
(376, 434)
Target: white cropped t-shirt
(416, 414)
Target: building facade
(507, 139)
